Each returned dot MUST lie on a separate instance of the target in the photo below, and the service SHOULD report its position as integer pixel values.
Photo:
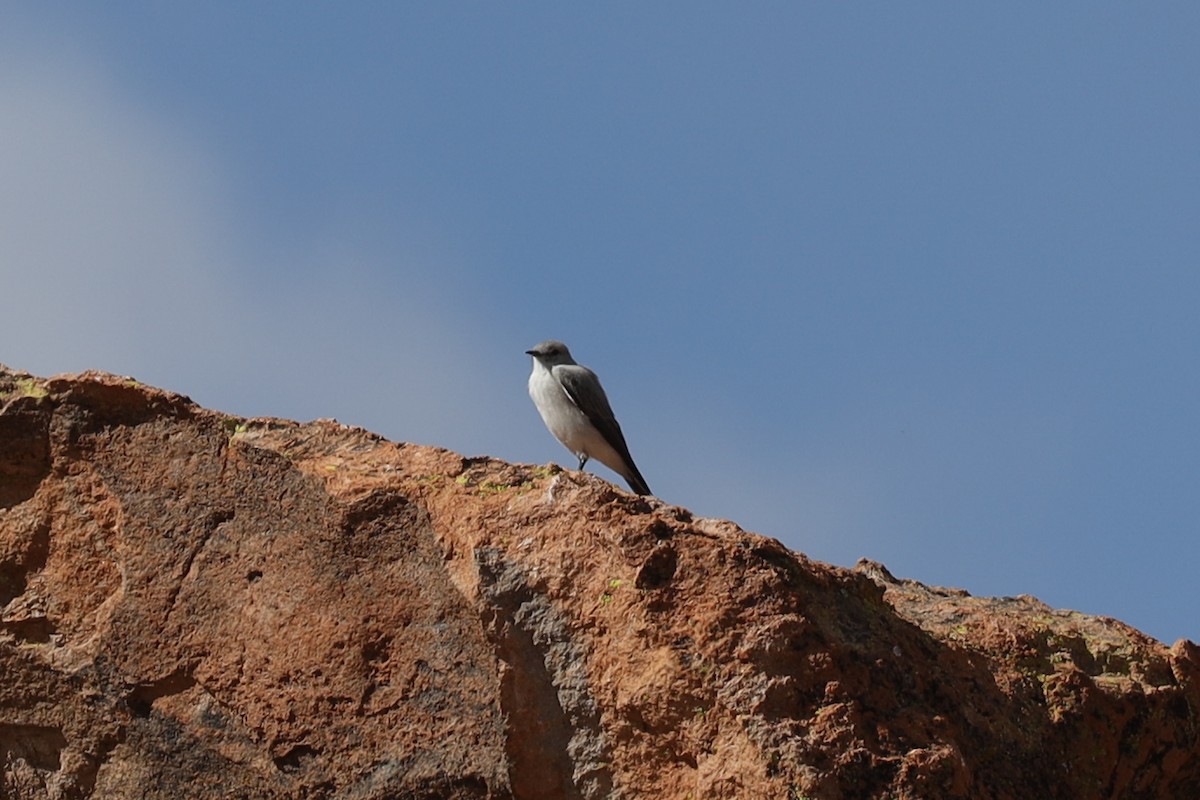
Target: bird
(575, 409)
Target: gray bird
(573, 405)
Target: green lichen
(28, 387)
(488, 486)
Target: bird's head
(551, 352)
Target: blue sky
(911, 282)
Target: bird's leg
(583, 459)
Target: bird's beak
(530, 353)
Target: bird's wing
(585, 391)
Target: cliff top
(195, 604)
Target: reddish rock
(196, 605)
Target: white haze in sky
(122, 250)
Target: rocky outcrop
(196, 605)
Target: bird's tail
(636, 481)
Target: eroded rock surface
(195, 605)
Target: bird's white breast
(564, 419)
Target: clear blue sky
(911, 282)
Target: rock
(196, 605)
